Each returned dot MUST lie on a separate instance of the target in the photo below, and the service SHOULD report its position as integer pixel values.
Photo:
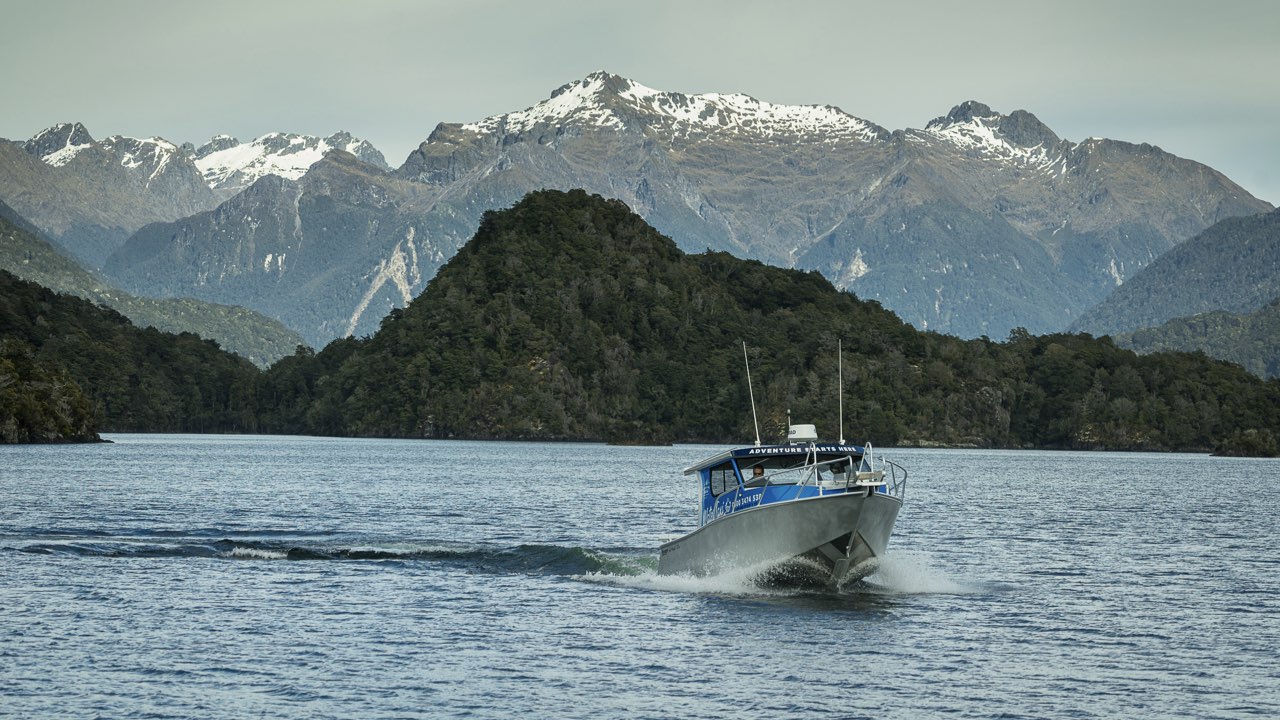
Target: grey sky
(1199, 79)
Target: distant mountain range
(329, 254)
(1233, 266)
(978, 223)
(89, 196)
(29, 256)
(1217, 293)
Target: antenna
(752, 392)
(840, 376)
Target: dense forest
(128, 379)
(40, 402)
(568, 317)
(1251, 340)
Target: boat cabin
(744, 478)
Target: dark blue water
(231, 577)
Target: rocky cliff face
(329, 254)
(976, 224)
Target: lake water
(232, 577)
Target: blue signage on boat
(733, 502)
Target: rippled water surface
(229, 577)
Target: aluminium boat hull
(831, 538)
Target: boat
(803, 512)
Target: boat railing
(896, 482)
(890, 475)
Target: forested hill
(1252, 340)
(109, 375)
(567, 317)
(27, 254)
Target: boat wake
(912, 573)
(896, 574)
(528, 559)
(747, 582)
(902, 573)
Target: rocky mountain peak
(1022, 128)
(966, 112)
(58, 144)
(604, 100)
(216, 144)
(972, 123)
(362, 149)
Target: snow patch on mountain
(60, 144)
(61, 157)
(578, 99)
(229, 166)
(977, 129)
(604, 100)
(152, 155)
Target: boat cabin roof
(768, 451)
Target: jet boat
(804, 511)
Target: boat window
(723, 478)
(783, 470)
(839, 465)
(791, 469)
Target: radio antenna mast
(751, 391)
(840, 381)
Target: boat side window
(723, 478)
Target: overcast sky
(1199, 79)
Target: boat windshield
(797, 469)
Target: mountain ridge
(976, 224)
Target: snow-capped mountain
(89, 195)
(977, 223)
(609, 101)
(59, 144)
(229, 166)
